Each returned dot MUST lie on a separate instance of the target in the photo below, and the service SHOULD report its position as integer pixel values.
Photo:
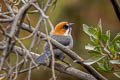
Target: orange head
(62, 28)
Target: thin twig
(16, 68)
(4, 16)
(37, 26)
(39, 22)
(29, 72)
(26, 37)
(44, 16)
(51, 51)
(6, 20)
(6, 13)
(9, 8)
(27, 54)
(13, 29)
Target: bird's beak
(70, 24)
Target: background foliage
(80, 12)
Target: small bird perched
(62, 34)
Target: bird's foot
(75, 61)
(68, 64)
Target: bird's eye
(65, 26)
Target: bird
(62, 34)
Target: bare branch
(14, 29)
(16, 23)
(70, 53)
(5, 20)
(116, 6)
(61, 68)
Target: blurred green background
(79, 12)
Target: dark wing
(59, 54)
(64, 40)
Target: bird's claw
(69, 65)
(75, 61)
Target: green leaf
(117, 74)
(85, 29)
(112, 49)
(93, 59)
(117, 37)
(106, 37)
(89, 30)
(101, 66)
(118, 44)
(115, 61)
(107, 64)
(89, 47)
(92, 32)
(93, 51)
(99, 29)
(108, 34)
(94, 40)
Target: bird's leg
(69, 65)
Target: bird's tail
(42, 59)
